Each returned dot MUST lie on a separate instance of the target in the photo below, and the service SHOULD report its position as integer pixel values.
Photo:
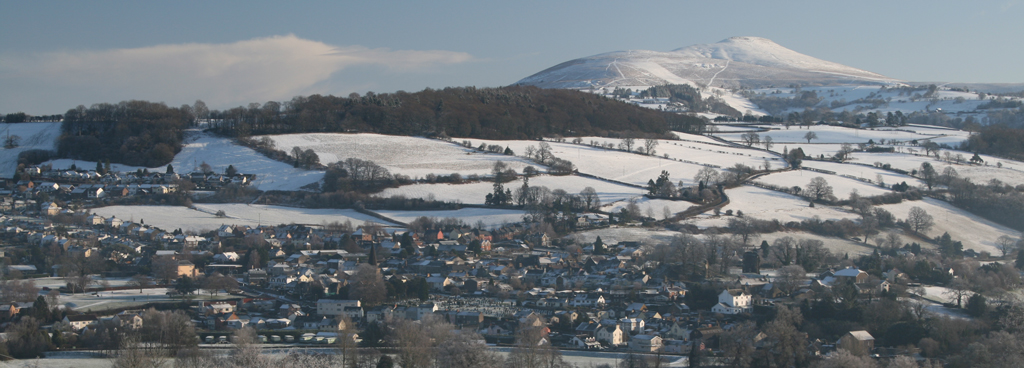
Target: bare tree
(247, 352)
(790, 278)
(706, 175)
(958, 290)
(767, 142)
(649, 145)
(809, 136)
(165, 269)
(590, 198)
(132, 353)
(368, 286)
(1006, 244)
(416, 341)
(819, 189)
(18, 291)
(140, 281)
(751, 138)
(627, 144)
(737, 345)
(465, 349)
(533, 349)
(919, 220)
(844, 151)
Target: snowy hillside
(34, 136)
(203, 219)
(765, 52)
(415, 157)
(734, 62)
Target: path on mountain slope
(710, 82)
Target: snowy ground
(1011, 172)
(767, 204)
(696, 137)
(42, 136)
(611, 164)
(112, 299)
(947, 100)
(829, 134)
(491, 218)
(841, 186)
(864, 172)
(613, 235)
(412, 156)
(202, 218)
(654, 207)
(837, 246)
(474, 193)
(975, 232)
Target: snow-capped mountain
(734, 62)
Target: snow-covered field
(864, 172)
(841, 186)
(221, 152)
(656, 207)
(767, 204)
(975, 232)
(696, 137)
(837, 246)
(203, 218)
(829, 134)
(613, 235)
(41, 136)
(1011, 172)
(491, 217)
(611, 164)
(412, 156)
(474, 193)
(896, 100)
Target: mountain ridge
(733, 62)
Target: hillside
(735, 62)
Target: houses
(332, 307)
(645, 343)
(80, 321)
(611, 335)
(851, 274)
(857, 342)
(733, 304)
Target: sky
(55, 55)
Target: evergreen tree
(598, 246)
(170, 169)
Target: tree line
(137, 133)
(516, 112)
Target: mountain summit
(733, 62)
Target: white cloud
(257, 70)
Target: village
(308, 284)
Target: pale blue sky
(56, 55)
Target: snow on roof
(861, 335)
(849, 272)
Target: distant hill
(752, 62)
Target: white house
(332, 307)
(632, 325)
(611, 335)
(732, 304)
(645, 343)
